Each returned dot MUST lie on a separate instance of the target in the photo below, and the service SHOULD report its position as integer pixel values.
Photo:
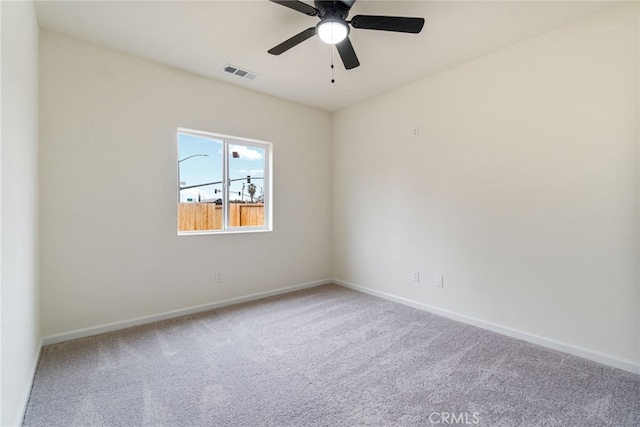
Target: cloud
(245, 152)
(252, 172)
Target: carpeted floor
(325, 356)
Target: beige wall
(521, 188)
(110, 251)
(20, 298)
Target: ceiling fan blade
(388, 23)
(293, 41)
(298, 5)
(348, 54)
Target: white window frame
(267, 187)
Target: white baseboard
(109, 327)
(627, 365)
(27, 392)
(595, 356)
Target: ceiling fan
(334, 27)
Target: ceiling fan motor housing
(337, 10)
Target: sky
(201, 169)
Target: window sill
(213, 232)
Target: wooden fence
(208, 216)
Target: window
(224, 183)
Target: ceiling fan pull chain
(332, 68)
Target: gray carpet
(326, 356)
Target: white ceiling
(202, 36)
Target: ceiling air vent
(236, 71)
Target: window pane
(200, 183)
(246, 185)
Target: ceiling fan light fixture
(332, 31)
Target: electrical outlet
(416, 131)
(218, 277)
(415, 276)
(439, 281)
